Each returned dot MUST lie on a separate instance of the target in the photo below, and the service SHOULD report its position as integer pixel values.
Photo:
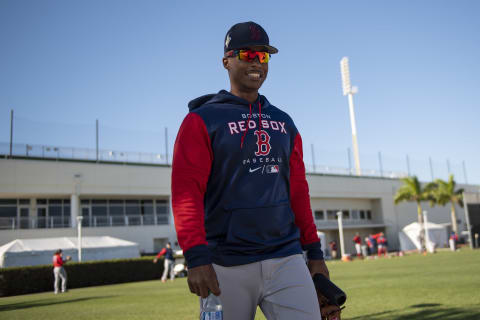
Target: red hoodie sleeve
(192, 160)
(161, 253)
(300, 202)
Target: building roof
(64, 243)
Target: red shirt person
(382, 244)
(358, 244)
(58, 270)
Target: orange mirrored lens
(249, 55)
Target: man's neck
(250, 96)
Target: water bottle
(211, 308)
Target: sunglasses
(249, 55)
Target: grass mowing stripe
(441, 286)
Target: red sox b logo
(255, 33)
(263, 143)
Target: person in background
(169, 262)
(421, 241)
(364, 249)
(333, 249)
(369, 246)
(382, 244)
(358, 244)
(373, 241)
(59, 270)
(453, 241)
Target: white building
(41, 197)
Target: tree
(412, 191)
(444, 192)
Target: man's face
(244, 75)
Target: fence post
(11, 132)
(464, 171)
(166, 145)
(313, 157)
(349, 161)
(380, 162)
(96, 137)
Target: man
(358, 244)
(382, 244)
(373, 242)
(452, 241)
(169, 262)
(333, 249)
(239, 194)
(369, 246)
(59, 271)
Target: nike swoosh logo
(253, 170)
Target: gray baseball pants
(168, 269)
(59, 273)
(282, 287)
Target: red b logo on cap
(255, 33)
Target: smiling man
(240, 197)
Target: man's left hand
(318, 266)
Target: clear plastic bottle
(211, 308)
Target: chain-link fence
(98, 142)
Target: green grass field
(444, 286)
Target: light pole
(79, 237)
(349, 91)
(340, 231)
(428, 245)
(467, 220)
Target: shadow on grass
(425, 305)
(431, 311)
(44, 303)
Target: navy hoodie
(239, 192)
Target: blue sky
(134, 65)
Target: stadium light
(349, 91)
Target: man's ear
(225, 63)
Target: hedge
(23, 280)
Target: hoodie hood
(225, 97)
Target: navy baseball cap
(247, 34)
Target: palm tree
(412, 191)
(444, 193)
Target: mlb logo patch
(272, 169)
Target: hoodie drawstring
(245, 132)
(260, 116)
(248, 122)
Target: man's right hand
(330, 312)
(202, 280)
